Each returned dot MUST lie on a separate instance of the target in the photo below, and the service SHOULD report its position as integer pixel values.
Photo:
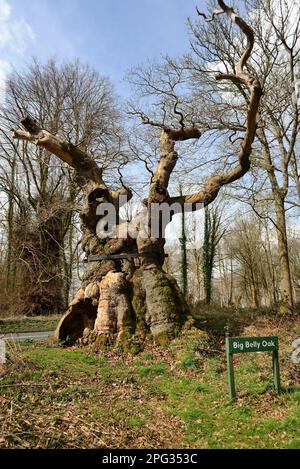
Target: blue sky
(111, 35)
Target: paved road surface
(27, 335)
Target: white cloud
(4, 69)
(5, 15)
(5, 10)
(21, 34)
(15, 34)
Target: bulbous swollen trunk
(119, 309)
(122, 301)
(166, 310)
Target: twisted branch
(83, 163)
(214, 183)
(208, 19)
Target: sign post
(230, 372)
(276, 371)
(251, 344)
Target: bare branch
(185, 133)
(181, 121)
(214, 183)
(66, 152)
(249, 33)
(208, 19)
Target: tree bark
(287, 298)
(279, 194)
(39, 247)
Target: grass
(24, 324)
(52, 397)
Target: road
(26, 335)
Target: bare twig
(208, 19)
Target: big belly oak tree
(120, 300)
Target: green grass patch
(43, 324)
(158, 368)
(53, 397)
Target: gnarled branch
(208, 19)
(182, 134)
(214, 183)
(86, 167)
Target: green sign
(251, 344)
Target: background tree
(184, 254)
(275, 61)
(213, 233)
(42, 198)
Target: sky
(111, 35)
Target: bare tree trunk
(287, 300)
(273, 290)
(184, 257)
(40, 252)
(212, 236)
(166, 306)
(230, 301)
(102, 310)
(255, 300)
(10, 257)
